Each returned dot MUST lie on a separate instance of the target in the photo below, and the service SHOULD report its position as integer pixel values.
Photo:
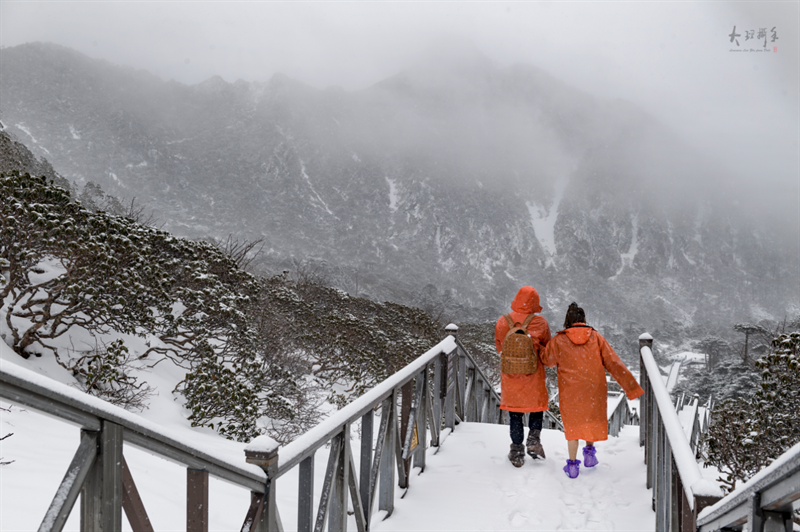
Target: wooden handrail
(679, 490)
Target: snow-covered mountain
(455, 176)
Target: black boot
(517, 454)
(534, 445)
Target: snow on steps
(469, 485)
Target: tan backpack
(519, 355)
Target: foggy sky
(674, 59)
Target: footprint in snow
(518, 519)
(572, 521)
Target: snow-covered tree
(748, 434)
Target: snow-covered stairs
(470, 485)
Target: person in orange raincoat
(582, 357)
(524, 393)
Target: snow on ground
(468, 485)
(471, 485)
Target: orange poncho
(524, 393)
(583, 356)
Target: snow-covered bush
(106, 371)
(748, 434)
(259, 354)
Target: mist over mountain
(454, 181)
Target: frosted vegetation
(257, 354)
(252, 355)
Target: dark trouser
(517, 430)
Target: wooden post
(196, 500)
(83, 463)
(132, 502)
(267, 460)
(386, 497)
(91, 496)
(337, 521)
(407, 395)
(305, 495)
(422, 420)
(702, 502)
(365, 471)
(101, 497)
(439, 389)
(755, 516)
(450, 378)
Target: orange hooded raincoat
(583, 356)
(524, 393)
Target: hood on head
(579, 335)
(526, 301)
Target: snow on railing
(619, 413)
(763, 503)
(679, 489)
(98, 471)
(460, 392)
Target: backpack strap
(509, 320)
(527, 321)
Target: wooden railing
(762, 504)
(98, 471)
(619, 413)
(434, 393)
(440, 389)
(679, 490)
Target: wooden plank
(110, 459)
(355, 496)
(406, 405)
(327, 485)
(387, 468)
(755, 517)
(91, 496)
(251, 520)
(17, 393)
(402, 478)
(422, 422)
(186, 456)
(451, 391)
(337, 514)
(735, 517)
(365, 470)
(71, 485)
(132, 502)
(435, 422)
(380, 445)
(305, 496)
(781, 494)
(87, 414)
(467, 409)
(437, 402)
(484, 404)
(196, 500)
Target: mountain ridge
(408, 189)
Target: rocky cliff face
(456, 174)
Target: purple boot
(572, 468)
(589, 458)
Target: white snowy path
(471, 485)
